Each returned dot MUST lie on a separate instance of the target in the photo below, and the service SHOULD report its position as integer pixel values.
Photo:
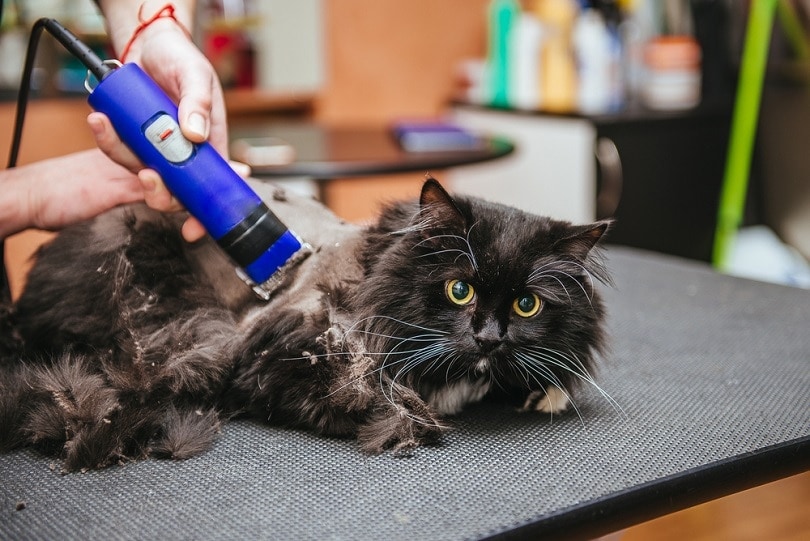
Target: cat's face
(482, 296)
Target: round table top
(325, 152)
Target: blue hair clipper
(233, 214)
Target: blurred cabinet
(551, 171)
(657, 174)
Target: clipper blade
(266, 289)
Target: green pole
(792, 27)
(743, 128)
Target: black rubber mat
(709, 379)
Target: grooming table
(712, 374)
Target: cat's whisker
(469, 246)
(416, 227)
(548, 275)
(461, 253)
(433, 353)
(544, 272)
(410, 363)
(586, 272)
(525, 373)
(588, 295)
(393, 319)
(417, 338)
(560, 357)
(455, 373)
(327, 355)
(558, 264)
(407, 363)
(468, 253)
(548, 294)
(546, 373)
(578, 370)
(383, 365)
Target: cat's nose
(487, 344)
(488, 337)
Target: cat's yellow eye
(527, 305)
(459, 292)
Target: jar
(672, 73)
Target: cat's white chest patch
(452, 398)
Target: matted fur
(136, 344)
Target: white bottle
(593, 47)
(524, 84)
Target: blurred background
(616, 108)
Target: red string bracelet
(166, 12)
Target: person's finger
(155, 193)
(201, 105)
(193, 230)
(159, 198)
(109, 142)
(242, 169)
(195, 102)
(219, 121)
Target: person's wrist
(161, 29)
(14, 204)
(151, 19)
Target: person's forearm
(53, 193)
(13, 201)
(122, 17)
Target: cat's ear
(581, 239)
(438, 209)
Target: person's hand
(53, 193)
(159, 198)
(165, 51)
(167, 54)
(156, 36)
(57, 192)
(154, 191)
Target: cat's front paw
(398, 432)
(550, 400)
(400, 426)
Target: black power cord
(85, 54)
(5, 293)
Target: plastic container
(558, 78)
(672, 73)
(592, 45)
(503, 15)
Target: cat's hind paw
(550, 400)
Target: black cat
(136, 343)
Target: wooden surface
(359, 200)
(247, 102)
(777, 511)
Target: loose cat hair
(131, 342)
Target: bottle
(672, 77)
(524, 76)
(558, 80)
(592, 46)
(503, 15)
